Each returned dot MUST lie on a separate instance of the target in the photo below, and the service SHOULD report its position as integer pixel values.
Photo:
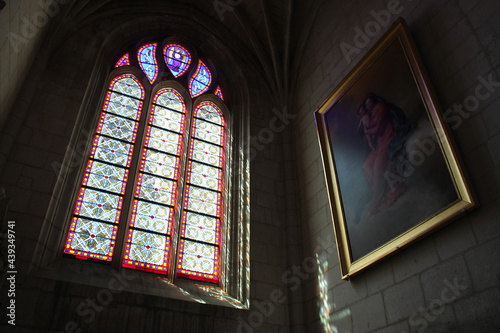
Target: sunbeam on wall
(325, 306)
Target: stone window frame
(49, 261)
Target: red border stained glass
(123, 61)
(99, 205)
(166, 100)
(199, 257)
(211, 112)
(218, 93)
(216, 227)
(200, 82)
(89, 255)
(92, 233)
(169, 218)
(177, 58)
(142, 265)
(146, 55)
(107, 178)
(191, 274)
(133, 130)
(127, 84)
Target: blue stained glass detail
(147, 60)
(200, 81)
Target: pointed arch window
(157, 176)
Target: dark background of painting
(429, 185)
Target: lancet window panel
(157, 187)
(93, 229)
(201, 226)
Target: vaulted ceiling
(272, 33)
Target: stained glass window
(147, 60)
(218, 92)
(177, 58)
(94, 225)
(201, 80)
(124, 61)
(156, 192)
(160, 232)
(199, 249)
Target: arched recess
(233, 290)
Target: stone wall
(22, 27)
(459, 43)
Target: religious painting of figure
(392, 172)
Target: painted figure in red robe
(388, 128)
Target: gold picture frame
(392, 171)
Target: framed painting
(392, 170)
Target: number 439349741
(11, 244)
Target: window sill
(134, 281)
